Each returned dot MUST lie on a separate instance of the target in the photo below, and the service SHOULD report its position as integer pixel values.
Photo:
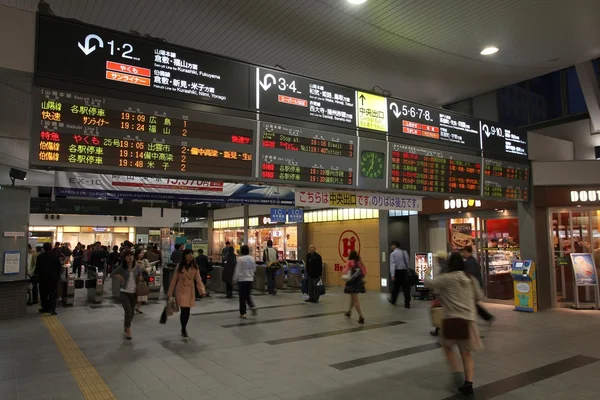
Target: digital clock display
(506, 180)
(71, 51)
(78, 131)
(293, 154)
(419, 169)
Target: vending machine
(423, 262)
(525, 285)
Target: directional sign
(295, 215)
(278, 214)
(371, 112)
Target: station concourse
(223, 199)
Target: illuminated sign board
(371, 112)
(504, 180)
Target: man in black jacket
(48, 269)
(205, 267)
(314, 271)
(472, 268)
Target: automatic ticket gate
(155, 282)
(260, 278)
(94, 285)
(295, 273)
(68, 288)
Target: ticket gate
(68, 294)
(94, 285)
(295, 269)
(154, 284)
(260, 278)
(280, 277)
(216, 279)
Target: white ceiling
(421, 50)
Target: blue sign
(278, 214)
(295, 215)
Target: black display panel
(504, 180)
(414, 121)
(299, 155)
(88, 54)
(280, 93)
(502, 141)
(418, 169)
(84, 132)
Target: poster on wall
(461, 236)
(584, 269)
(12, 262)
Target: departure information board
(300, 155)
(75, 52)
(506, 180)
(414, 121)
(78, 131)
(419, 169)
(280, 93)
(502, 141)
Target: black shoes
(348, 314)
(406, 305)
(184, 334)
(308, 301)
(361, 320)
(53, 313)
(391, 302)
(466, 388)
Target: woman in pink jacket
(187, 274)
(355, 273)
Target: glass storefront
(573, 231)
(220, 236)
(495, 244)
(284, 237)
(87, 235)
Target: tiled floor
(291, 350)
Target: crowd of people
(457, 284)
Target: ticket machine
(525, 285)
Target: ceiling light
(356, 1)
(489, 51)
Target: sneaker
(243, 316)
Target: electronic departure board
(414, 121)
(306, 156)
(280, 93)
(418, 169)
(501, 141)
(75, 52)
(84, 132)
(505, 180)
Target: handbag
(437, 317)
(142, 289)
(321, 287)
(172, 307)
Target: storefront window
(502, 250)
(221, 236)
(285, 240)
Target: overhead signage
(278, 214)
(73, 51)
(502, 141)
(347, 199)
(280, 93)
(371, 112)
(300, 155)
(414, 121)
(584, 196)
(419, 169)
(77, 184)
(295, 215)
(504, 180)
(79, 131)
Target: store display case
(498, 266)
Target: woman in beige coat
(187, 274)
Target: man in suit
(314, 271)
(205, 267)
(399, 264)
(48, 269)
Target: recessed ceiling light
(356, 1)
(489, 50)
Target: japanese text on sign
(371, 112)
(316, 197)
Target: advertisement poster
(461, 236)
(423, 261)
(12, 262)
(144, 188)
(584, 269)
(198, 244)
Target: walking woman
(187, 274)
(129, 274)
(245, 268)
(459, 294)
(142, 263)
(354, 274)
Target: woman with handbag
(354, 275)
(142, 263)
(187, 275)
(459, 294)
(130, 276)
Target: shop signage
(461, 203)
(348, 242)
(278, 214)
(346, 199)
(583, 196)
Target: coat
(314, 265)
(228, 265)
(124, 271)
(184, 281)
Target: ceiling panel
(421, 50)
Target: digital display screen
(82, 53)
(280, 93)
(505, 180)
(418, 169)
(293, 154)
(79, 131)
(414, 121)
(502, 141)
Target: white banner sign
(347, 199)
